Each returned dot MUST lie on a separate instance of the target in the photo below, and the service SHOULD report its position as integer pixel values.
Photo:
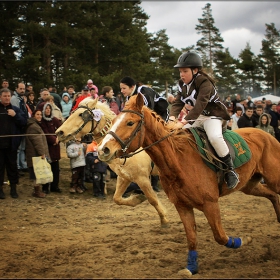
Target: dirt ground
(78, 236)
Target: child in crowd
(98, 169)
(76, 152)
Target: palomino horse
(188, 182)
(95, 117)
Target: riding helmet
(189, 60)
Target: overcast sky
(238, 22)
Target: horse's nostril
(106, 151)
(60, 133)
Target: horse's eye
(131, 123)
(80, 114)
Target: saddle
(238, 148)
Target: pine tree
(249, 71)
(225, 73)
(163, 57)
(211, 39)
(270, 58)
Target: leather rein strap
(125, 144)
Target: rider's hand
(178, 125)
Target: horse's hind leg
(255, 188)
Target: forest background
(58, 43)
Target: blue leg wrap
(192, 262)
(234, 242)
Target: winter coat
(275, 117)
(78, 100)
(36, 145)
(50, 125)
(255, 119)
(11, 126)
(72, 151)
(267, 128)
(57, 99)
(91, 156)
(66, 107)
(57, 112)
(235, 119)
(111, 103)
(245, 121)
(203, 96)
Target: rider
(151, 98)
(197, 89)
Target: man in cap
(85, 94)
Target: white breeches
(213, 128)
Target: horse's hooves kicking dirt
(184, 273)
(246, 240)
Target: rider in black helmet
(198, 91)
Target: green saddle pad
(240, 147)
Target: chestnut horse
(188, 182)
(95, 117)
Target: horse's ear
(139, 101)
(95, 101)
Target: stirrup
(233, 179)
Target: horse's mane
(104, 107)
(178, 139)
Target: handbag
(42, 170)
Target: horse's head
(127, 132)
(91, 116)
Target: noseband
(125, 144)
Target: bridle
(88, 116)
(125, 144)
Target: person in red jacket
(85, 94)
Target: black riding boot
(231, 177)
(13, 192)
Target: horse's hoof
(184, 273)
(246, 240)
(165, 225)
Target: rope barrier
(22, 135)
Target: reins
(143, 149)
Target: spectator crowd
(28, 126)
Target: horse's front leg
(212, 212)
(121, 186)
(187, 216)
